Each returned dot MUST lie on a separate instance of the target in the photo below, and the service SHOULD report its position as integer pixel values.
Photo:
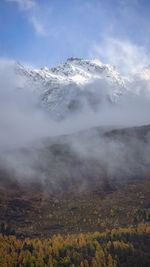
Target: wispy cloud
(127, 3)
(39, 27)
(24, 4)
(33, 14)
(126, 56)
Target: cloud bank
(35, 147)
(23, 119)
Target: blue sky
(47, 32)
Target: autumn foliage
(118, 247)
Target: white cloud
(24, 4)
(38, 26)
(126, 56)
(33, 14)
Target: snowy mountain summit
(74, 85)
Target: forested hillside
(122, 247)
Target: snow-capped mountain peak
(74, 84)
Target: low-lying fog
(80, 148)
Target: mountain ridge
(74, 84)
